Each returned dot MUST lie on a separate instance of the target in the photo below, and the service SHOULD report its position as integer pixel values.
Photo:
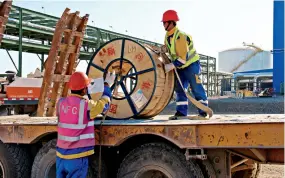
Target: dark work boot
(203, 114)
(176, 116)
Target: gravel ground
(271, 171)
(244, 106)
(238, 106)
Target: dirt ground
(271, 171)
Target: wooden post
(5, 9)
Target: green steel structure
(32, 32)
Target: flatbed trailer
(224, 146)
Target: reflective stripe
(75, 126)
(191, 45)
(73, 139)
(182, 103)
(192, 55)
(202, 101)
(81, 112)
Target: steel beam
(20, 43)
(12, 60)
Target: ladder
(62, 61)
(5, 9)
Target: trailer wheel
(45, 163)
(157, 160)
(14, 161)
(207, 168)
(93, 171)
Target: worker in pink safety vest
(76, 138)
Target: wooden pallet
(62, 60)
(5, 9)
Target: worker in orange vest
(187, 62)
(76, 138)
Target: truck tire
(207, 168)
(14, 161)
(157, 159)
(45, 163)
(94, 167)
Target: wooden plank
(61, 78)
(73, 61)
(218, 133)
(68, 56)
(5, 9)
(77, 33)
(61, 57)
(65, 48)
(50, 64)
(158, 120)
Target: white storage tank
(231, 58)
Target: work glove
(163, 49)
(107, 94)
(110, 78)
(106, 107)
(168, 67)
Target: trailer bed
(258, 137)
(158, 120)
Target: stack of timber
(5, 9)
(143, 88)
(62, 60)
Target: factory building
(252, 68)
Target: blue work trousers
(190, 75)
(71, 168)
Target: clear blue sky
(215, 25)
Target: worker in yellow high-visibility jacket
(186, 60)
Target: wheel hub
(153, 172)
(51, 170)
(126, 77)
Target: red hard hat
(170, 15)
(78, 81)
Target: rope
(101, 135)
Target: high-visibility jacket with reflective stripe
(191, 56)
(75, 128)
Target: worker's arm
(97, 107)
(181, 46)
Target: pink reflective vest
(75, 129)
